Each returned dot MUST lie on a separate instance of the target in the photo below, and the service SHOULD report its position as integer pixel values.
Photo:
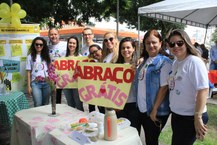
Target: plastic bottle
(110, 125)
(100, 130)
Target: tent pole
(11, 2)
(117, 20)
(205, 35)
(138, 53)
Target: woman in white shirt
(127, 55)
(109, 52)
(72, 95)
(189, 88)
(37, 65)
(110, 48)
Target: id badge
(171, 83)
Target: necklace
(142, 72)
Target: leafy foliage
(37, 10)
(214, 35)
(80, 11)
(130, 16)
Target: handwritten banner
(104, 84)
(65, 69)
(9, 66)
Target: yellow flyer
(2, 50)
(65, 69)
(104, 84)
(16, 50)
(14, 46)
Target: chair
(213, 82)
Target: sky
(195, 33)
(199, 33)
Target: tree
(81, 10)
(36, 10)
(130, 17)
(62, 10)
(214, 35)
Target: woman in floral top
(36, 66)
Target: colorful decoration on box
(11, 15)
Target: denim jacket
(153, 84)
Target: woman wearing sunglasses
(72, 95)
(37, 65)
(152, 88)
(95, 53)
(189, 88)
(109, 52)
(110, 48)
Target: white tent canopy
(199, 13)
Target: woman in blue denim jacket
(152, 88)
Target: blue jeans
(73, 99)
(184, 130)
(213, 66)
(152, 129)
(41, 93)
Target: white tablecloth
(127, 136)
(35, 127)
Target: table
(10, 103)
(127, 136)
(36, 127)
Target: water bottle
(100, 130)
(110, 125)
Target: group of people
(213, 57)
(204, 52)
(161, 86)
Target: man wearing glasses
(88, 39)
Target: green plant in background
(214, 35)
(47, 23)
(210, 138)
(44, 23)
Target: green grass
(211, 137)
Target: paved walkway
(212, 101)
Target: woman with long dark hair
(127, 55)
(37, 65)
(72, 95)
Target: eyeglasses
(92, 53)
(109, 39)
(87, 34)
(179, 43)
(38, 44)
